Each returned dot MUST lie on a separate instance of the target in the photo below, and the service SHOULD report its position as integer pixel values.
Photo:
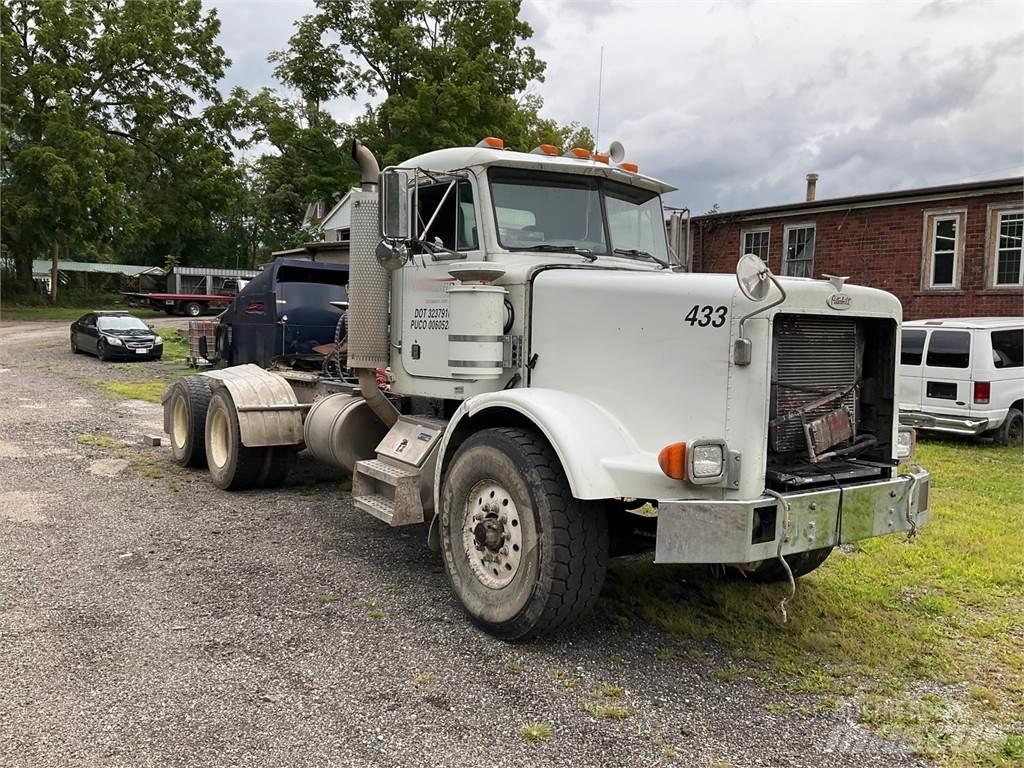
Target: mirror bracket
(752, 274)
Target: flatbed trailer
(188, 304)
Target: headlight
(706, 461)
(157, 341)
(114, 340)
(906, 440)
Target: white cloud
(735, 102)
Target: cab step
(388, 491)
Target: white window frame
(785, 245)
(932, 252)
(756, 231)
(996, 249)
(930, 225)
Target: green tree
(103, 146)
(448, 72)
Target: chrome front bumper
(748, 531)
(957, 425)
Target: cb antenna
(600, 78)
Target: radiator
(812, 356)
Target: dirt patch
(25, 506)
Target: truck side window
(912, 348)
(1008, 348)
(950, 349)
(456, 221)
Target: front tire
(101, 350)
(192, 309)
(74, 347)
(233, 466)
(522, 555)
(802, 563)
(188, 404)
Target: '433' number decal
(706, 315)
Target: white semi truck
(551, 369)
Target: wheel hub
(492, 535)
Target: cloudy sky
(734, 102)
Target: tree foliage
(117, 145)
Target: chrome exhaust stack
(369, 288)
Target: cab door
(424, 281)
(946, 374)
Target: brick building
(944, 251)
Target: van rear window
(912, 348)
(950, 349)
(1008, 348)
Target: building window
(755, 241)
(944, 240)
(1008, 248)
(799, 261)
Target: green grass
(23, 313)
(150, 391)
(536, 732)
(887, 620)
(175, 346)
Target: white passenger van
(964, 376)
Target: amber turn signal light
(672, 460)
(631, 167)
(491, 142)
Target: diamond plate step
(379, 506)
(386, 473)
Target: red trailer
(188, 304)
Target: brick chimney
(812, 186)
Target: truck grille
(812, 356)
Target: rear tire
(188, 404)
(192, 309)
(802, 563)
(522, 555)
(1011, 432)
(233, 466)
(278, 462)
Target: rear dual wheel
(234, 466)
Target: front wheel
(101, 350)
(192, 309)
(522, 555)
(802, 563)
(74, 346)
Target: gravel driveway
(147, 618)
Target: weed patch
(884, 618)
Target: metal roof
(215, 272)
(895, 197)
(43, 266)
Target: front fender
(583, 436)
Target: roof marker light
(491, 143)
(545, 149)
(599, 158)
(579, 153)
(631, 167)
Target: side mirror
(754, 277)
(755, 280)
(394, 204)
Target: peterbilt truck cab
(552, 368)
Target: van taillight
(982, 392)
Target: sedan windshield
(121, 323)
(585, 214)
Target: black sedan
(115, 335)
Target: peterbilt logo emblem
(839, 301)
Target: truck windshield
(544, 211)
